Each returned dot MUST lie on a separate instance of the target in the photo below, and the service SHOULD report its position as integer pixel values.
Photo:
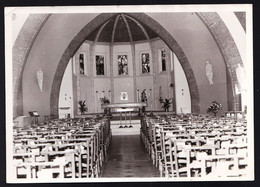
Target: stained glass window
(100, 65)
(145, 59)
(81, 64)
(122, 64)
(163, 60)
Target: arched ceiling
(122, 28)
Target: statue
(209, 72)
(144, 96)
(40, 78)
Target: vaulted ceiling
(122, 28)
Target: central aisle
(128, 158)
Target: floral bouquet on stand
(214, 108)
(104, 100)
(166, 104)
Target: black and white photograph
(129, 93)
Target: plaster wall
(49, 46)
(182, 92)
(17, 23)
(199, 46)
(66, 93)
(123, 85)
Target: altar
(123, 107)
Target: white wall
(182, 92)
(17, 23)
(66, 96)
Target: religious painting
(145, 60)
(81, 64)
(100, 65)
(123, 96)
(122, 64)
(163, 59)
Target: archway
(95, 23)
(227, 48)
(33, 25)
(22, 46)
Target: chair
(157, 148)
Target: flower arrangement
(82, 106)
(214, 107)
(104, 100)
(166, 103)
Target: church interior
(130, 95)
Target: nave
(170, 146)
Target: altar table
(108, 106)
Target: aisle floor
(127, 158)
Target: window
(163, 59)
(100, 65)
(145, 60)
(81, 64)
(122, 64)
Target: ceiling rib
(99, 31)
(141, 26)
(114, 29)
(128, 28)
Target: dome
(122, 28)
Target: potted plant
(214, 108)
(82, 106)
(104, 100)
(166, 104)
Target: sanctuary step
(125, 128)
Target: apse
(124, 56)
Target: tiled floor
(128, 158)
